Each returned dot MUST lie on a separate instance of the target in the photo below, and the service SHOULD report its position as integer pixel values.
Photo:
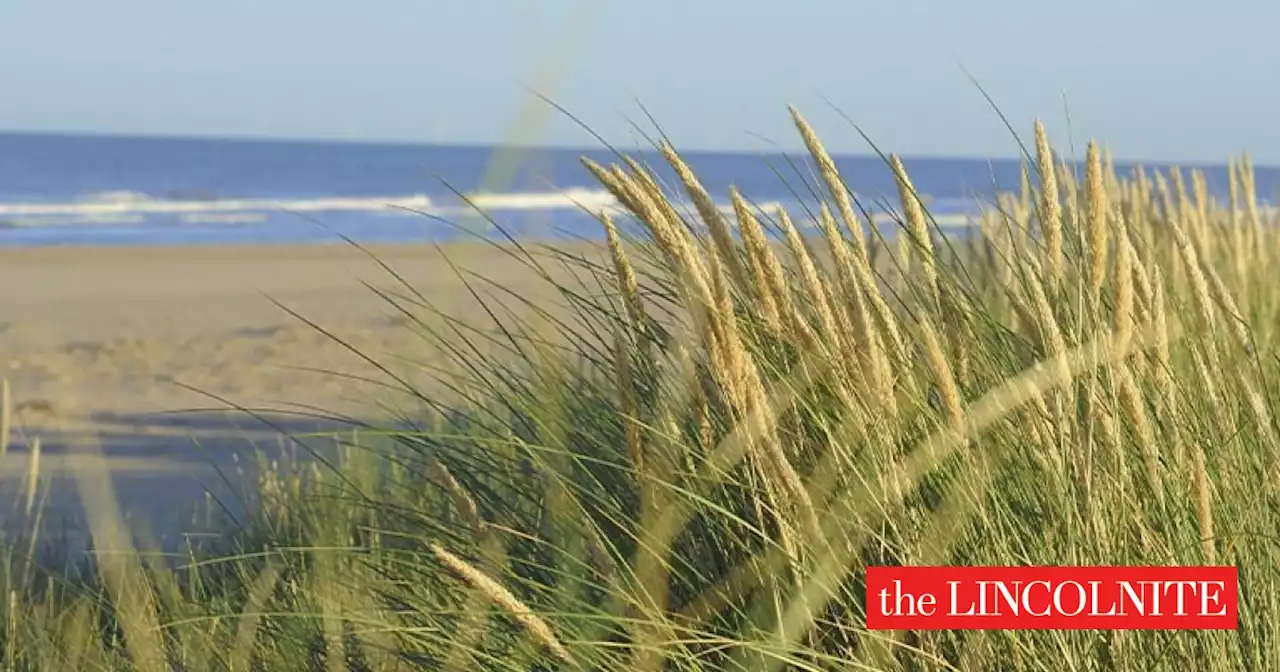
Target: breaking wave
(131, 208)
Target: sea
(122, 190)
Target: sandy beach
(122, 347)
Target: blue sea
(118, 190)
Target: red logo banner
(1051, 598)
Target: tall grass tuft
(691, 464)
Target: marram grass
(693, 472)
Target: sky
(1154, 79)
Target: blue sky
(1168, 79)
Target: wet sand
(141, 351)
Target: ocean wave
(100, 207)
(35, 221)
(590, 199)
(223, 218)
(140, 204)
(116, 208)
(120, 196)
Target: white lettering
(1216, 597)
(1026, 598)
(1081, 596)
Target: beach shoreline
(87, 329)
(144, 352)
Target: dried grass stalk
(505, 600)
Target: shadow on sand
(168, 470)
